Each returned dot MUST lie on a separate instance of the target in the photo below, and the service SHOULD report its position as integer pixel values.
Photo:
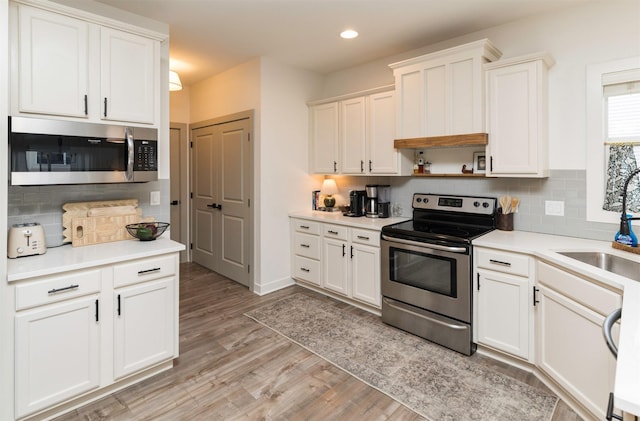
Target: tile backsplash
(43, 204)
(562, 185)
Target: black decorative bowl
(147, 231)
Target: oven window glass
(51, 153)
(432, 273)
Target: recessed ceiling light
(348, 34)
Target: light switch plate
(154, 198)
(554, 207)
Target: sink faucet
(624, 220)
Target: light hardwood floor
(230, 367)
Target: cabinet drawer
(309, 227)
(307, 269)
(583, 291)
(59, 288)
(503, 261)
(338, 232)
(144, 270)
(307, 245)
(368, 237)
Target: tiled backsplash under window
(43, 204)
(563, 185)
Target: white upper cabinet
(128, 76)
(324, 148)
(517, 116)
(442, 93)
(53, 63)
(355, 135)
(75, 67)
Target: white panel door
(129, 80)
(143, 326)
(57, 353)
(53, 63)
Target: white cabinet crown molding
(542, 55)
(366, 92)
(489, 50)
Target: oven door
(429, 276)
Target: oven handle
(449, 325)
(425, 245)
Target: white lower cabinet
(347, 263)
(144, 326)
(504, 309)
(79, 331)
(57, 353)
(571, 348)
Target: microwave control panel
(146, 158)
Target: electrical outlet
(154, 198)
(554, 207)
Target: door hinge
(248, 203)
(248, 137)
(190, 195)
(190, 246)
(191, 144)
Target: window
(613, 136)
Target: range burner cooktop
(446, 218)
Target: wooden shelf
(449, 175)
(461, 140)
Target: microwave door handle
(128, 133)
(425, 245)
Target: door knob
(213, 205)
(219, 207)
(174, 203)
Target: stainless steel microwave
(44, 151)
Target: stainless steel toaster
(26, 240)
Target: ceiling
(210, 36)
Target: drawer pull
(332, 232)
(56, 290)
(148, 271)
(304, 227)
(498, 262)
(362, 237)
(305, 245)
(305, 270)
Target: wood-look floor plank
(232, 368)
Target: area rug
(439, 384)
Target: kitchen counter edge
(66, 258)
(340, 219)
(547, 247)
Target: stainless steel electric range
(427, 267)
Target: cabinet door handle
(305, 270)
(332, 232)
(499, 262)
(56, 290)
(535, 300)
(478, 276)
(148, 271)
(335, 166)
(491, 163)
(305, 245)
(610, 415)
(361, 165)
(369, 165)
(86, 106)
(362, 237)
(607, 326)
(97, 311)
(343, 250)
(119, 312)
(105, 107)
(351, 252)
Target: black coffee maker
(357, 203)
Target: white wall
(589, 33)
(179, 106)
(284, 179)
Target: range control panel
(452, 203)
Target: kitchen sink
(609, 262)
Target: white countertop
(65, 258)
(338, 218)
(545, 247)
